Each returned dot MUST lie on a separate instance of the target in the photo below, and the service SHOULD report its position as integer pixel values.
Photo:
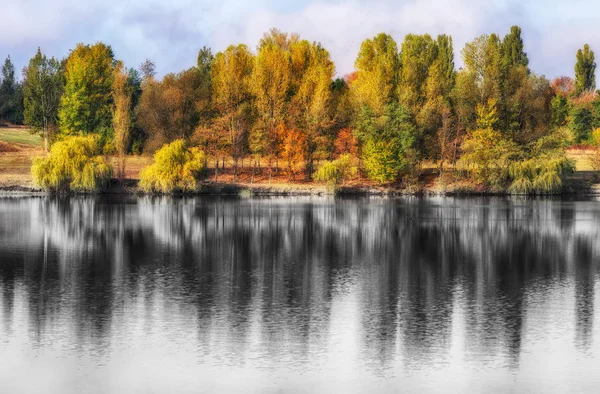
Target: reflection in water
(195, 294)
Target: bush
(540, 175)
(176, 168)
(73, 164)
(335, 172)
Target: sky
(170, 32)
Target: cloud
(170, 33)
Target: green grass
(20, 136)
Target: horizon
(552, 31)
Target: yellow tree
(378, 67)
(270, 85)
(231, 76)
(311, 103)
(121, 118)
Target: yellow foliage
(73, 164)
(176, 168)
(337, 171)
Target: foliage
(387, 140)
(85, 106)
(73, 164)
(121, 116)
(167, 109)
(176, 168)
(378, 66)
(585, 68)
(581, 123)
(545, 169)
(43, 88)
(336, 172)
(11, 94)
(292, 148)
(487, 155)
(346, 143)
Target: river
(307, 294)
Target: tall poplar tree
(585, 70)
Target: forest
(281, 108)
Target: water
(155, 295)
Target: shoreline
(129, 187)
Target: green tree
(585, 70)
(513, 53)
(388, 141)
(85, 106)
(581, 123)
(11, 94)
(42, 90)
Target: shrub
(539, 175)
(73, 164)
(176, 167)
(335, 172)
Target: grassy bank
(18, 148)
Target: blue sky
(171, 32)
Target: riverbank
(18, 149)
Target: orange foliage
(585, 99)
(345, 143)
(350, 78)
(292, 149)
(563, 86)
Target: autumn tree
(585, 70)
(168, 108)
(378, 67)
(85, 106)
(271, 86)
(42, 89)
(311, 102)
(231, 75)
(121, 115)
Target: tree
(168, 109)
(585, 70)
(311, 102)
(231, 74)
(73, 164)
(513, 53)
(121, 115)
(378, 67)
(11, 94)
(42, 88)
(176, 168)
(271, 86)
(387, 140)
(85, 106)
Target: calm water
(156, 295)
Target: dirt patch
(7, 148)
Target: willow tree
(231, 76)
(42, 90)
(377, 68)
(86, 103)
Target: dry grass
(582, 158)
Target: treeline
(494, 119)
